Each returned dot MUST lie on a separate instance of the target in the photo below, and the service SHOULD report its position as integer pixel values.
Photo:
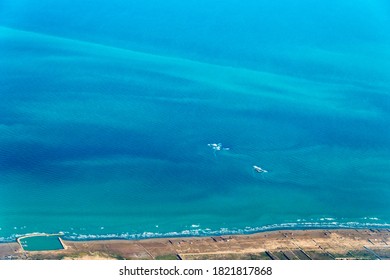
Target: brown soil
(284, 245)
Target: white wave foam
(371, 218)
(327, 219)
(225, 231)
(197, 231)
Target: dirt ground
(278, 245)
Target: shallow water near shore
(105, 121)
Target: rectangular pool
(41, 243)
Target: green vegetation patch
(167, 257)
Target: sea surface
(107, 109)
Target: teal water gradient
(106, 112)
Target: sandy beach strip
(331, 244)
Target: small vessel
(216, 147)
(259, 169)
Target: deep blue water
(107, 107)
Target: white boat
(259, 169)
(215, 146)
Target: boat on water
(259, 169)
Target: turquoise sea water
(107, 107)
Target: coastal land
(323, 244)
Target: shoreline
(225, 233)
(369, 243)
(205, 234)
